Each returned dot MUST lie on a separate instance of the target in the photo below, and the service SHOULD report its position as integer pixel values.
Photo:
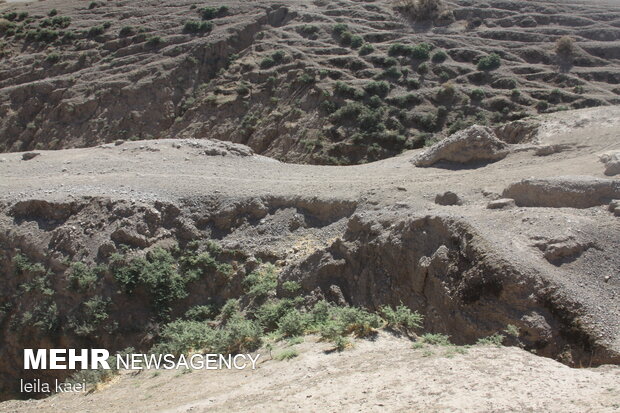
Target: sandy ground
(384, 375)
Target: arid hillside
(320, 82)
(401, 205)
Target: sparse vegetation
(126, 31)
(210, 13)
(489, 62)
(565, 46)
(366, 49)
(287, 354)
(493, 340)
(439, 56)
(420, 10)
(194, 26)
(53, 58)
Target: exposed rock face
(441, 268)
(614, 206)
(611, 161)
(472, 145)
(565, 191)
(517, 132)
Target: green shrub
(200, 313)
(439, 56)
(355, 321)
(423, 69)
(182, 337)
(344, 90)
(52, 12)
(421, 10)
(421, 51)
(366, 49)
(291, 286)
(493, 340)
(477, 94)
(328, 106)
(356, 41)
(243, 89)
(53, 58)
(209, 13)
(565, 46)
(269, 314)
(69, 36)
(278, 56)
(371, 121)
(398, 49)
(95, 31)
(275, 59)
(10, 16)
(287, 354)
(490, 62)
(267, 62)
(42, 35)
(194, 26)
(401, 318)
(93, 4)
(340, 28)
(375, 102)
(262, 282)
(377, 88)
(93, 313)
(82, 277)
(542, 105)
(412, 83)
(157, 273)
(238, 335)
(309, 30)
(293, 323)
(154, 41)
(392, 73)
(24, 266)
(230, 308)
(346, 38)
(349, 112)
(512, 330)
(436, 339)
(306, 78)
(126, 31)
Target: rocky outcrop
(517, 132)
(611, 160)
(501, 203)
(563, 192)
(444, 269)
(477, 144)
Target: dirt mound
(473, 145)
(563, 192)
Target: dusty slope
(84, 87)
(385, 375)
